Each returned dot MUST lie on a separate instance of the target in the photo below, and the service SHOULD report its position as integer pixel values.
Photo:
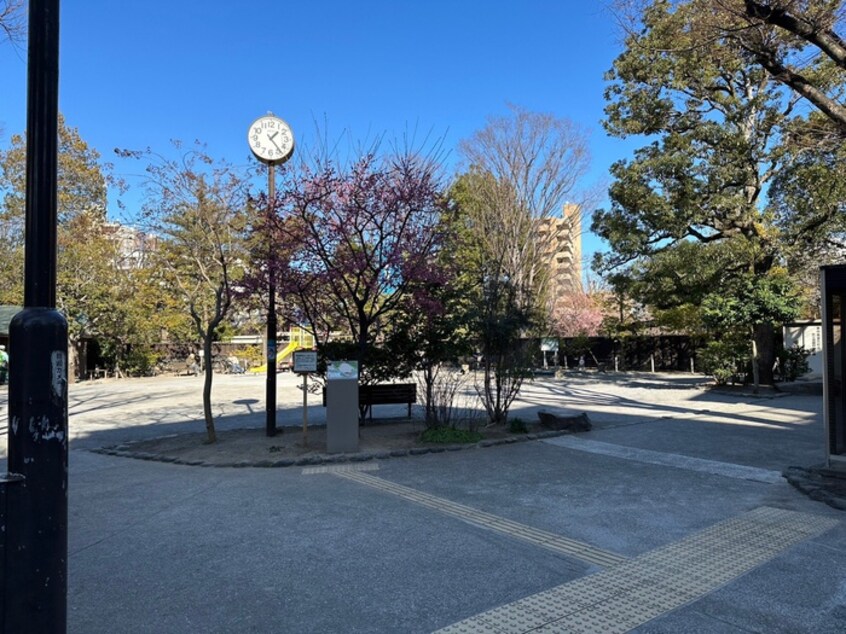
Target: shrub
(140, 361)
(449, 435)
(252, 355)
(517, 426)
(725, 360)
(793, 363)
(439, 386)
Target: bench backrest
(384, 393)
(387, 393)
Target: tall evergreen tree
(714, 121)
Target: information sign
(342, 370)
(305, 361)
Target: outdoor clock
(271, 139)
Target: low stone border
(125, 451)
(817, 484)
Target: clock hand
(270, 138)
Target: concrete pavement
(670, 472)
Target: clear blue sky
(138, 73)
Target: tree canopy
(197, 206)
(357, 240)
(715, 123)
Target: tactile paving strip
(689, 463)
(551, 541)
(342, 468)
(625, 596)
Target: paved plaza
(671, 515)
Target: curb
(125, 451)
(818, 486)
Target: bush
(793, 363)
(444, 435)
(725, 360)
(439, 385)
(252, 355)
(140, 361)
(517, 426)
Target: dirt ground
(253, 446)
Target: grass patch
(448, 435)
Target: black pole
(36, 550)
(270, 397)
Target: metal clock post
(272, 142)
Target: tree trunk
(764, 336)
(362, 350)
(74, 355)
(756, 368)
(207, 386)
(429, 380)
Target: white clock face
(271, 139)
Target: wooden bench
(383, 394)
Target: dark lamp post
(33, 579)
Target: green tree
(87, 258)
(145, 312)
(431, 330)
(521, 170)
(797, 42)
(197, 207)
(504, 305)
(82, 180)
(808, 201)
(754, 303)
(715, 121)
(88, 284)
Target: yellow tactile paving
(633, 592)
(342, 468)
(550, 541)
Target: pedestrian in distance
(191, 364)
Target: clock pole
(271, 142)
(270, 396)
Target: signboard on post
(305, 361)
(342, 370)
(549, 345)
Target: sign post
(305, 362)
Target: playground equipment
(297, 338)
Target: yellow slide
(287, 351)
(280, 356)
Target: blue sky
(139, 73)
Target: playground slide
(280, 356)
(287, 351)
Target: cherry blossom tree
(576, 314)
(357, 240)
